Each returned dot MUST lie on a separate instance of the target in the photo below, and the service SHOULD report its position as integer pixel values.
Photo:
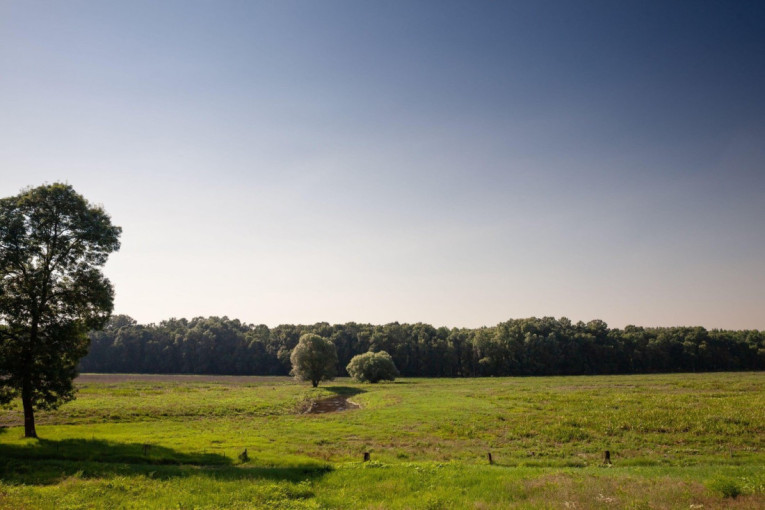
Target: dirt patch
(331, 405)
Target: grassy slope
(676, 441)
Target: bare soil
(331, 405)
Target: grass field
(676, 441)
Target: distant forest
(534, 346)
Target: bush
(372, 367)
(726, 487)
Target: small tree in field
(372, 367)
(314, 359)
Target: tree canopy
(529, 346)
(53, 243)
(372, 367)
(314, 359)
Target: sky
(453, 163)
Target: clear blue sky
(456, 163)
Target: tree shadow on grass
(345, 391)
(47, 462)
(99, 450)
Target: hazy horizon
(452, 163)
(437, 326)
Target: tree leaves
(52, 292)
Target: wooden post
(491, 461)
(607, 458)
(366, 456)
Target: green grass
(675, 441)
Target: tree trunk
(315, 383)
(29, 413)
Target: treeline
(546, 346)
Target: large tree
(314, 359)
(53, 243)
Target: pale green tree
(372, 367)
(314, 359)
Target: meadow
(676, 441)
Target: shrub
(726, 487)
(372, 367)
